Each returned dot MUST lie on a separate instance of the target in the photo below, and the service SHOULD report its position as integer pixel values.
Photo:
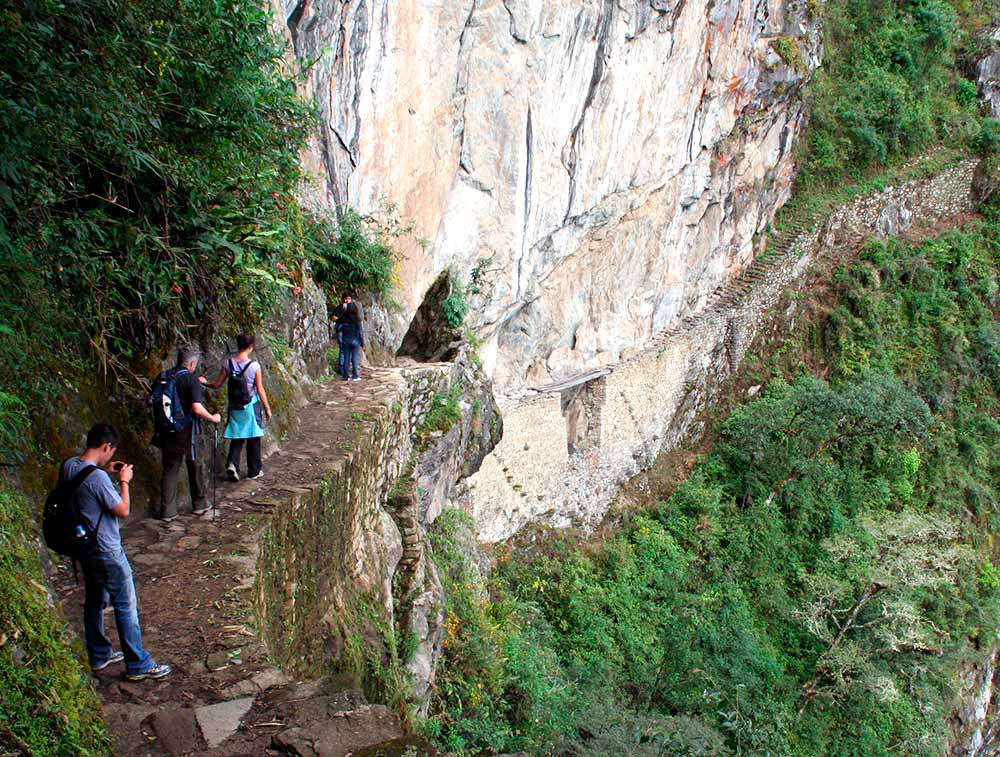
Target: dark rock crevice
(430, 338)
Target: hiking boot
(231, 473)
(156, 672)
(115, 657)
(258, 474)
(200, 509)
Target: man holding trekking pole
(177, 409)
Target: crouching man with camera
(106, 571)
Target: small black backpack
(65, 529)
(239, 394)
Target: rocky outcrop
(342, 577)
(445, 458)
(976, 724)
(987, 73)
(600, 166)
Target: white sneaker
(260, 474)
(231, 473)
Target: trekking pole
(215, 472)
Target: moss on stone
(787, 48)
(46, 700)
(444, 412)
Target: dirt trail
(194, 579)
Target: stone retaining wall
(341, 571)
(566, 451)
(326, 561)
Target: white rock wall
(610, 159)
(987, 73)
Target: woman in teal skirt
(247, 406)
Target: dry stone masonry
(341, 568)
(327, 559)
(568, 447)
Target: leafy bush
(151, 163)
(46, 700)
(443, 413)
(888, 86)
(358, 253)
(788, 50)
(455, 305)
(987, 141)
(148, 178)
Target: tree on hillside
(793, 443)
(867, 604)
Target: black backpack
(239, 394)
(65, 529)
(165, 402)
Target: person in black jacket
(353, 339)
(338, 315)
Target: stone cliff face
(566, 450)
(976, 723)
(597, 167)
(987, 73)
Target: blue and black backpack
(165, 403)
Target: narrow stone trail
(195, 577)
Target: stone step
(182, 730)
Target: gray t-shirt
(97, 494)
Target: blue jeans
(109, 579)
(352, 358)
(341, 356)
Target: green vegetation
(455, 306)
(358, 254)
(147, 187)
(812, 588)
(46, 701)
(443, 413)
(788, 50)
(148, 180)
(888, 87)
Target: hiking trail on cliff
(195, 579)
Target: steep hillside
(149, 168)
(821, 583)
(559, 184)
